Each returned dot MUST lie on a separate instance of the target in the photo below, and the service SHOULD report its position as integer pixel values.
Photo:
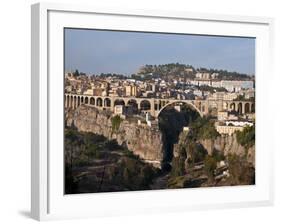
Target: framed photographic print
(139, 111)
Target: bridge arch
(86, 100)
(247, 108)
(232, 107)
(92, 101)
(187, 103)
(107, 102)
(99, 102)
(78, 101)
(75, 102)
(240, 110)
(119, 102)
(71, 102)
(67, 101)
(253, 108)
(145, 105)
(225, 105)
(133, 104)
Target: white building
(228, 130)
(236, 85)
(222, 96)
(249, 93)
(198, 93)
(119, 109)
(216, 83)
(163, 83)
(202, 75)
(222, 115)
(201, 82)
(239, 123)
(214, 75)
(229, 85)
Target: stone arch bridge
(155, 105)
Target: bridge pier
(243, 108)
(152, 108)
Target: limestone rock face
(229, 145)
(225, 144)
(142, 140)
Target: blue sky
(97, 51)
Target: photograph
(152, 111)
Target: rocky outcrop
(229, 145)
(142, 140)
(225, 144)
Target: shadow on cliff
(171, 123)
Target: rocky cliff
(225, 144)
(142, 140)
(229, 145)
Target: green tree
(116, 121)
(204, 128)
(246, 137)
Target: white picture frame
(48, 201)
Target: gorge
(172, 152)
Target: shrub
(204, 128)
(116, 121)
(246, 137)
(240, 171)
(199, 153)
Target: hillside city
(164, 127)
(171, 82)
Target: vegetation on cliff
(95, 164)
(193, 166)
(116, 121)
(188, 152)
(203, 128)
(246, 137)
(241, 172)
